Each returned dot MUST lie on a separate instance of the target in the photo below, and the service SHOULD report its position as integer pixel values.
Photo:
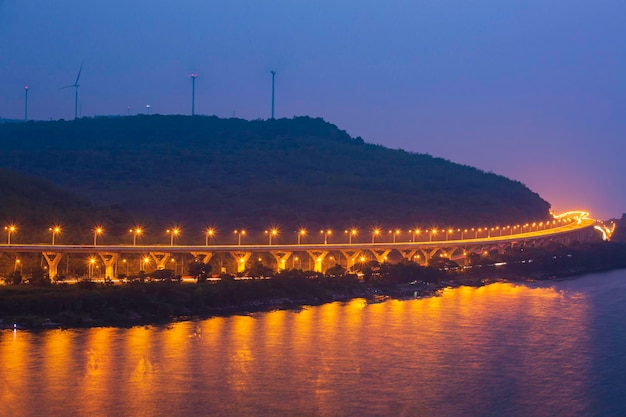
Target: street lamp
(55, 230)
(301, 234)
(96, 232)
(10, 229)
(350, 233)
(432, 232)
(240, 233)
(17, 262)
(92, 262)
(136, 232)
(270, 233)
(394, 233)
(375, 233)
(173, 232)
(326, 233)
(208, 235)
(415, 232)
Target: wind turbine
(75, 85)
(26, 103)
(193, 93)
(273, 76)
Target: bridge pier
(318, 257)
(408, 254)
(281, 259)
(241, 258)
(52, 259)
(351, 256)
(381, 256)
(109, 259)
(204, 256)
(428, 255)
(160, 259)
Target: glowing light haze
(533, 90)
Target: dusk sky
(533, 90)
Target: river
(541, 349)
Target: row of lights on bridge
(376, 233)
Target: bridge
(454, 244)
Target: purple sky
(531, 89)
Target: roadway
(578, 224)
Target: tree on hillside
(199, 270)
(258, 270)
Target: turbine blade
(67, 86)
(79, 71)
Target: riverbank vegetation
(143, 301)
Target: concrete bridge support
(109, 260)
(351, 257)
(205, 257)
(428, 254)
(381, 256)
(242, 259)
(52, 259)
(160, 259)
(409, 254)
(318, 258)
(281, 259)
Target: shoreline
(368, 292)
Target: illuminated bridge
(453, 244)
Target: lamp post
(17, 262)
(92, 262)
(136, 232)
(301, 234)
(208, 235)
(271, 233)
(10, 230)
(173, 233)
(239, 234)
(352, 232)
(96, 232)
(55, 230)
(375, 233)
(394, 233)
(145, 260)
(326, 233)
(432, 232)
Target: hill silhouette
(233, 173)
(33, 205)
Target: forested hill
(233, 173)
(33, 205)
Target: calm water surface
(555, 349)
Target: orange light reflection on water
(334, 359)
